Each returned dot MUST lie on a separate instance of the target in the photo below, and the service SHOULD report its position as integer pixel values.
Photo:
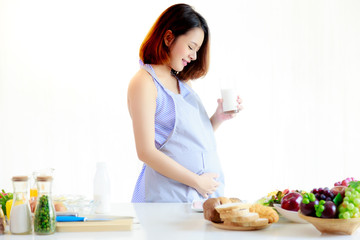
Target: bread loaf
(224, 200)
(231, 211)
(234, 200)
(231, 207)
(250, 217)
(226, 206)
(209, 210)
(234, 213)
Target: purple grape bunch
(323, 194)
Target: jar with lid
(44, 220)
(20, 216)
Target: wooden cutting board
(238, 228)
(116, 224)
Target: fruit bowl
(333, 225)
(289, 215)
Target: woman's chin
(179, 69)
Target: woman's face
(184, 48)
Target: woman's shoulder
(142, 79)
(142, 75)
(142, 82)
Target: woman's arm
(142, 105)
(219, 116)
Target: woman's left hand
(219, 115)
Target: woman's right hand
(207, 184)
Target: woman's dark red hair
(179, 18)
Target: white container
(20, 215)
(102, 193)
(230, 103)
(20, 219)
(229, 93)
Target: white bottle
(102, 189)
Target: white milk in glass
(229, 97)
(229, 93)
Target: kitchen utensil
(238, 228)
(79, 219)
(117, 223)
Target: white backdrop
(65, 67)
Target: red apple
(329, 210)
(291, 201)
(339, 189)
(308, 209)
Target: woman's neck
(165, 76)
(162, 70)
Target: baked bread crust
(234, 200)
(230, 207)
(224, 200)
(250, 217)
(231, 211)
(209, 210)
(235, 213)
(230, 204)
(265, 212)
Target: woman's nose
(193, 56)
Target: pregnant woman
(174, 135)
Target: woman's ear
(169, 38)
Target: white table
(178, 221)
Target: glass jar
(33, 191)
(20, 216)
(33, 188)
(44, 220)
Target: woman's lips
(184, 62)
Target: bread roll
(265, 212)
(209, 210)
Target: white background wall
(65, 67)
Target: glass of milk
(229, 94)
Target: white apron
(191, 144)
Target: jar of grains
(44, 220)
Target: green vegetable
(355, 185)
(338, 199)
(44, 222)
(275, 199)
(4, 197)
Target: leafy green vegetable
(355, 184)
(275, 199)
(4, 197)
(338, 199)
